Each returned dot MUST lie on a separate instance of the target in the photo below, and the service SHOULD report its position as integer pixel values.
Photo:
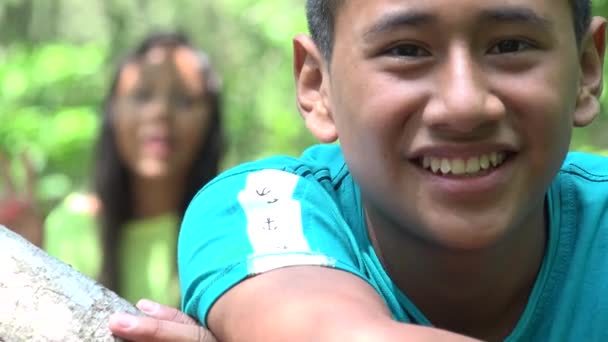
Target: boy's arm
(311, 303)
(267, 255)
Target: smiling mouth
(473, 166)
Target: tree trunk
(43, 299)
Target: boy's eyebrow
(512, 14)
(395, 20)
(412, 18)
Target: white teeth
(484, 162)
(445, 166)
(435, 164)
(459, 166)
(473, 165)
(426, 162)
(493, 158)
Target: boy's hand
(163, 324)
(18, 211)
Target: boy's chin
(462, 235)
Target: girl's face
(161, 112)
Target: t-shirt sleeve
(250, 223)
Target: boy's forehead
(358, 5)
(352, 12)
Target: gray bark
(43, 299)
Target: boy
(451, 201)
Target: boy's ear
(592, 66)
(312, 83)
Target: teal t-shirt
(285, 211)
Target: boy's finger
(149, 329)
(164, 312)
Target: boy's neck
(479, 293)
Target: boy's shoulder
(582, 186)
(586, 168)
(323, 163)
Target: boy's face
(454, 116)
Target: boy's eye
(408, 50)
(510, 46)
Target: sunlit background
(57, 56)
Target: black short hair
(111, 176)
(321, 17)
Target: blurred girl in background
(161, 140)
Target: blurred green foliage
(56, 58)
(48, 108)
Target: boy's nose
(463, 100)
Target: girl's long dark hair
(111, 177)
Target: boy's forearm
(306, 305)
(321, 327)
(389, 330)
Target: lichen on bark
(43, 299)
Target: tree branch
(44, 299)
